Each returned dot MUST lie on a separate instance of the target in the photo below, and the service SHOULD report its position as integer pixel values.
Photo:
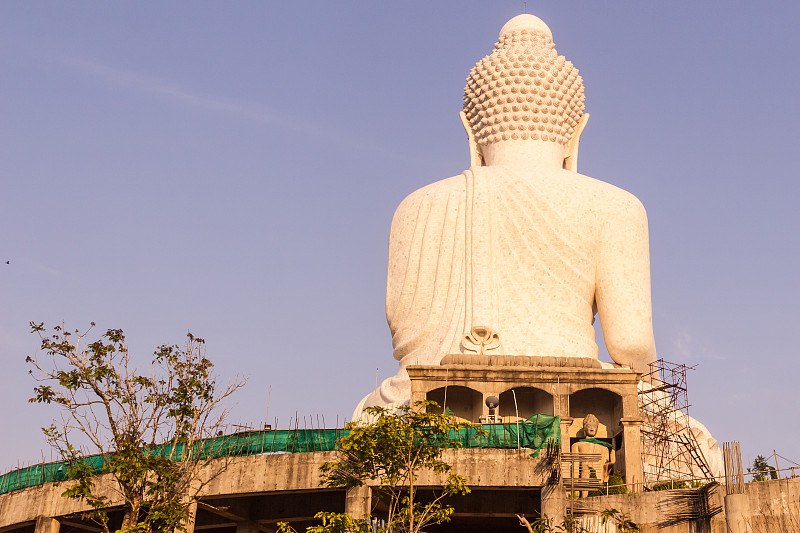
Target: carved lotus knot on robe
(480, 340)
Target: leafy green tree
(333, 523)
(147, 430)
(393, 449)
(761, 468)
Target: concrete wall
(300, 471)
(293, 472)
(658, 511)
(268, 473)
(26, 505)
(772, 507)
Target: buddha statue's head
(523, 91)
(590, 425)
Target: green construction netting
(533, 433)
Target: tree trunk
(131, 516)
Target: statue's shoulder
(610, 199)
(433, 193)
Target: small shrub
(615, 485)
(668, 485)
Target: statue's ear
(475, 156)
(571, 150)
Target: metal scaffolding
(670, 450)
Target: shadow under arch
(529, 401)
(464, 402)
(606, 405)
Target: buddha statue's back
(512, 256)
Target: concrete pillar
(630, 403)
(560, 400)
(418, 391)
(45, 524)
(631, 435)
(192, 517)
(566, 422)
(554, 502)
(246, 527)
(484, 409)
(358, 501)
(736, 513)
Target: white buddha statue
(514, 255)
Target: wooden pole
(777, 470)
(266, 417)
(516, 410)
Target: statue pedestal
(569, 387)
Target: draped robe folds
(511, 255)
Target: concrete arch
(605, 404)
(464, 402)
(529, 401)
(617, 389)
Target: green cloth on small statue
(596, 441)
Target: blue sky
(232, 170)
